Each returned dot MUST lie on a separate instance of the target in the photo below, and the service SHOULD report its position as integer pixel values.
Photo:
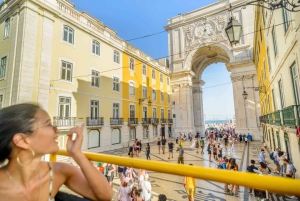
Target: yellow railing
(271, 183)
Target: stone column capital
(198, 82)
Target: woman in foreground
(26, 135)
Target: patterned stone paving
(171, 185)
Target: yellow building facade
(75, 68)
(276, 54)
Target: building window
(144, 69)
(132, 134)
(96, 47)
(168, 81)
(145, 132)
(132, 111)
(162, 96)
(6, 28)
(3, 67)
(116, 57)
(116, 136)
(274, 102)
(153, 94)
(154, 113)
(94, 109)
(116, 84)
(68, 35)
(155, 131)
(169, 98)
(169, 114)
(274, 41)
(1, 101)
(161, 78)
(174, 116)
(131, 64)
(295, 79)
(269, 63)
(131, 88)
(162, 114)
(145, 112)
(153, 74)
(95, 78)
(64, 107)
(144, 92)
(94, 139)
(280, 87)
(66, 71)
(115, 110)
(286, 19)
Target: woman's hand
(74, 146)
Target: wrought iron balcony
(163, 121)
(94, 121)
(116, 121)
(146, 120)
(155, 121)
(277, 118)
(64, 121)
(132, 121)
(170, 121)
(271, 119)
(289, 117)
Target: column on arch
(198, 106)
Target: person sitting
(26, 135)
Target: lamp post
(233, 31)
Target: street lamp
(245, 95)
(234, 28)
(143, 99)
(233, 31)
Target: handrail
(270, 183)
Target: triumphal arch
(196, 40)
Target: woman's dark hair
(15, 119)
(263, 165)
(138, 192)
(132, 190)
(130, 149)
(232, 163)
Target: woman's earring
(23, 165)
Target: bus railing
(274, 184)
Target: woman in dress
(124, 191)
(158, 145)
(233, 167)
(190, 186)
(26, 135)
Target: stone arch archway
(196, 40)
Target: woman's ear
(20, 140)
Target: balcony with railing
(155, 121)
(163, 121)
(170, 121)
(94, 121)
(271, 119)
(289, 117)
(146, 120)
(132, 121)
(277, 118)
(116, 121)
(64, 122)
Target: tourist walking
(181, 143)
(209, 150)
(214, 150)
(146, 187)
(171, 146)
(202, 145)
(251, 169)
(110, 170)
(262, 157)
(281, 157)
(130, 152)
(233, 167)
(180, 156)
(135, 147)
(137, 195)
(121, 173)
(163, 144)
(219, 149)
(241, 138)
(177, 140)
(290, 169)
(158, 145)
(197, 145)
(190, 187)
(124, 191)
(148, 151)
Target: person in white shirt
(146, 187)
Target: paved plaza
(171, 185)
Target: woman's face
(44, 138)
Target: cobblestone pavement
(171, 185)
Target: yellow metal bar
(273, 184)
(53, 157)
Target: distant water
(216, 121)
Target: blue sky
(135, 18)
